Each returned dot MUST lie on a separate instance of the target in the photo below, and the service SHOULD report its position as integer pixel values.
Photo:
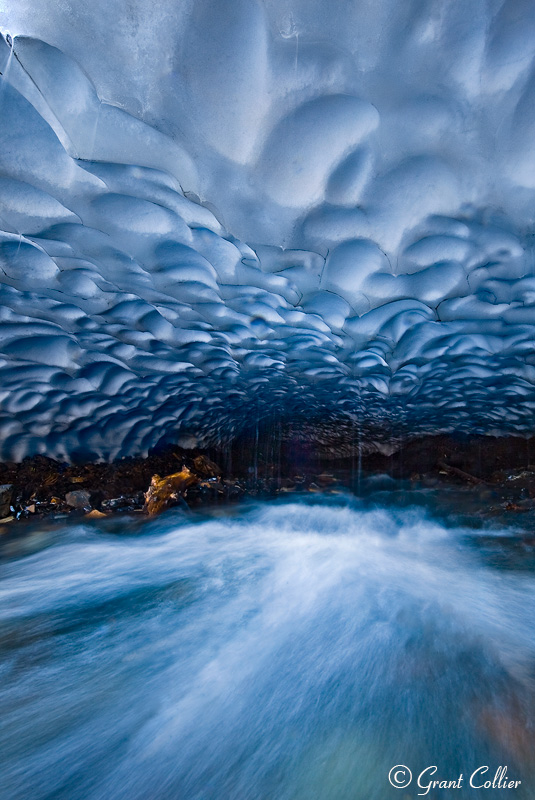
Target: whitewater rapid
(283, 651)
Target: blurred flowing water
(281, 651)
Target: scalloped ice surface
(214, 213)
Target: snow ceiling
(214, 212)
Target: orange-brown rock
(165, 492)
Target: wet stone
(79, 499)
(124, 503)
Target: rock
(206, 468)
(326, 479)
(6, 491)
(95, 514)
(124, 503)
(78, 499)
(168, 491)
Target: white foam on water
(291, 651)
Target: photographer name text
(400, 777)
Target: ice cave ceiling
(220, 211)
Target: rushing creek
(282, 651)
